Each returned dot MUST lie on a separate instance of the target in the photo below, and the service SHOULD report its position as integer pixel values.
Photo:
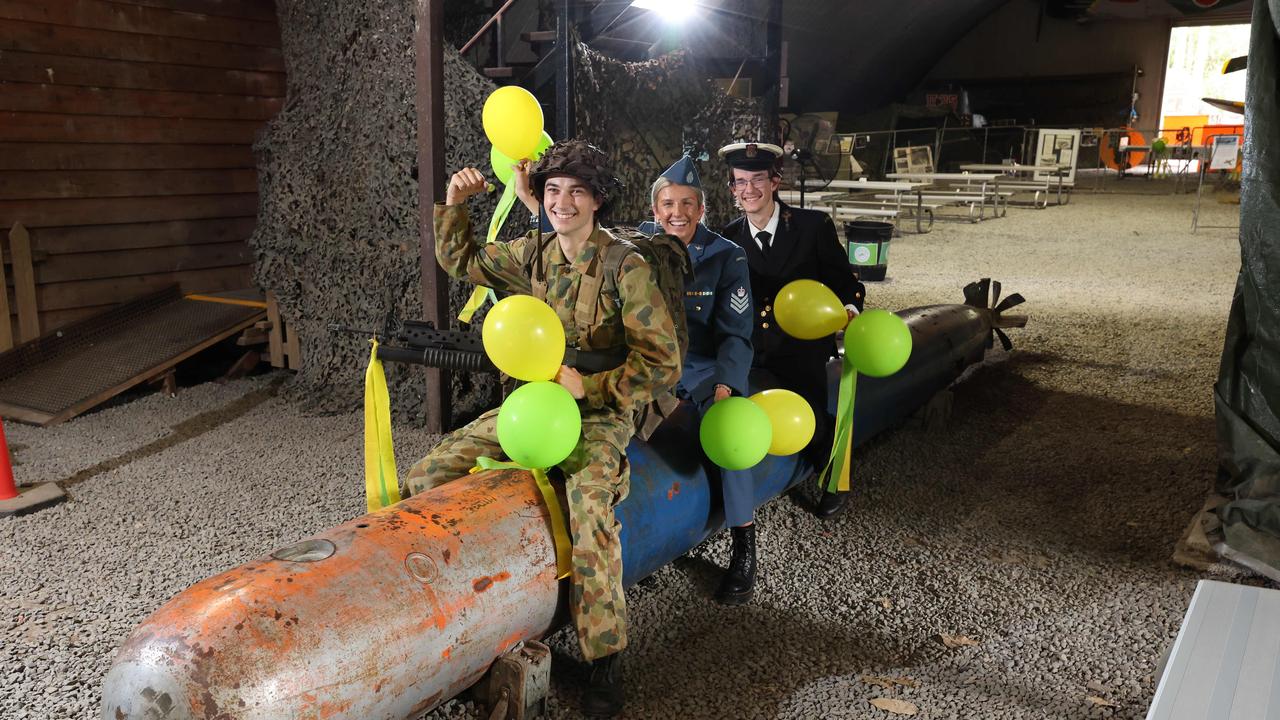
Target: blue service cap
(683, 172)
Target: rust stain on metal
(447, 653)
(427, 704)
(446, 555)
(486, 582)
(509, 642)
(674, 491)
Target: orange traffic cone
(13, 502)
(8, 489)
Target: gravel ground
(1037, 525)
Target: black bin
(868, 243)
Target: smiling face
(570, 203)
(678, 208)
(753, 189)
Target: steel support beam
(566, 127)
(773, 69)
(428, 43)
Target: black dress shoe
(831, 504)
(604, 697)
(740, 579)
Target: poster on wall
(1226, 152)
(1058, 149)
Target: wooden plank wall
(125, 144)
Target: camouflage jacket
(636, 318)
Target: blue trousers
(737, 487)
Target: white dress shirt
(771, 227)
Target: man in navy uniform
(719, 311)
(782, 244)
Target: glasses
(758, 182)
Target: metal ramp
(75, 368)
(1225, 663)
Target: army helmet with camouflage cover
(582, 160)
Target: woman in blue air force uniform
(719, 309)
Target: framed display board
(1226, 152)
(1058, 148)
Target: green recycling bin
(868, 243)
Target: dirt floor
(1033, 531)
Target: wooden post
(24, 283)
(292, 348)
(428, 43)
(275, 337)
(6, 328)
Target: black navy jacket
(718, 306)
(806, 247)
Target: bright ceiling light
(671, 11)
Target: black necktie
(763, 236)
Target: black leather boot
(830, 504)
(740, 579)
(603, 696)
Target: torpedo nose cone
(143, 691)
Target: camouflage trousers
(596, 479)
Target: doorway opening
(1194, 71)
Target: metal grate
(104, 355)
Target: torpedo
(395, 612)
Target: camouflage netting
(337, 234)
(643, 114)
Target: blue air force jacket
(718, 306)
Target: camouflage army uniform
(596, 472)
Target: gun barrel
(437, 357)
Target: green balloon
(501, 164)
(539, 425)
(735, 433)
(878, 343)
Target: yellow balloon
(808, 310)
(524, 338)
(512, 121)
(792, 419)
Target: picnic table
(792, 197)
(897, 188)
(969, 179)
(1059, 171)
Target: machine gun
(420, 343)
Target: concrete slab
(32, 498)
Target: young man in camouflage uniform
(576, 187)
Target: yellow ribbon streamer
(381, 486)
(839, 466)
(481, 293)
(559, 531)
